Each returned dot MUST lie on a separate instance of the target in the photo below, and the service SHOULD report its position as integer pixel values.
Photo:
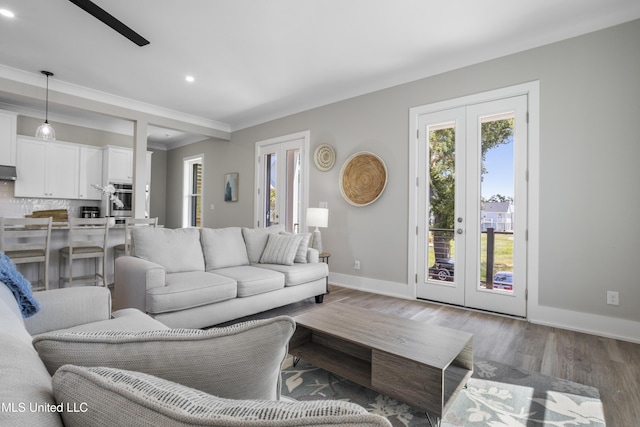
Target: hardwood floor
(610, 365)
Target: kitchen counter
(65, 226)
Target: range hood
(8, 173)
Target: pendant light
(45, 131)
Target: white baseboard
(593, 324)
(382, 287)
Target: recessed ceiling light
(190, 79)
(7, 13)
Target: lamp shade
(45, 131)
(317, 217)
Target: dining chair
(26, 240)
(87, 239)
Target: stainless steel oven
(124, 192)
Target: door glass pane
(441, 200)
(293, 191)
(270, 196)
(497, 203)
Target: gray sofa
(75, 363)
(194, 278)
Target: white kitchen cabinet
(118, 164)
(90, 173)
(47, 169)
(8, 126)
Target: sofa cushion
(255, 240)
(127, 319)
(67, 307)
(10, 316)
(117, 397)
(238, 361)
(191, 289)
(176, 250)
(298, 274)
(25, 381)
(253, 280)
(281, 249)
(223, 247)
(23, 377)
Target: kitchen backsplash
(18, 207)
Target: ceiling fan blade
(101, 14)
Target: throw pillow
(113, 397)
(238, 361)
(177, 250)
(223, 247)
(256, 240)
(281, 249)
(301, 254)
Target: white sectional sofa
(74, 363)
(194, 278)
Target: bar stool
(26, 240)
(129, 224)
(87, 239)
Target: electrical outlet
(356, 264)
(613, 298)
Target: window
(192, 201)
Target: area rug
(497, 395)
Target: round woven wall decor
(324, 157)
(363, 178)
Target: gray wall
(158, 204)
(220, 157)
(589, 177)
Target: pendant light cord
(46, 105)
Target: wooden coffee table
(422, 365)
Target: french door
(281, 181)
(472, 205)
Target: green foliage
(442, 167)
(442, 177)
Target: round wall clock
(363, 178)
(324, 157)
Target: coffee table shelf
(455, 379)
(342, 364)
(422, 365)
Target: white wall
(589, 196)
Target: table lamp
(317, 217)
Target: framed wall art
(231, 187)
